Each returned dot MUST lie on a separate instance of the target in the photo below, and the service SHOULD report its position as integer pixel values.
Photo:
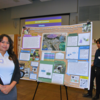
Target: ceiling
(12, 3)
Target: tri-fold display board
(57, 55)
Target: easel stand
(60, 93)
(66, 92)
(36, 90)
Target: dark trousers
(95, 72)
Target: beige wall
(10, 18)
(8, 25)
(45, 8)
(96, 29)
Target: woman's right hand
(1, 87)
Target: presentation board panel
(57, 54)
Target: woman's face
(4, 44)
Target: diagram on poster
(84, 83)
(72, 52)
(45, 70)
(49, 56)
(78, 68)
(54, 42)
(84, 39)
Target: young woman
(9, 69)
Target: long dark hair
(11, 53)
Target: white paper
(75, 79)
(44, 69)
(84, 39)
(72, 52)
(24, 56)
(78, 68)
(84, 53)
(33, 76)
(72, 41)
(84, 83)
(59, 56)
(34, 64)
(31, 42)
(57, 78)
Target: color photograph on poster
(86, 28)
(25, 30)
(21, 66)
(74, 79)
(27, 71)
(54, 42)
(34, 56)
(59, 67)
(34, 69)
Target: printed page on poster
(57, 78)
(78, 68)
(84, 52)
(31, 42)
(72, 41)
(24, 56)
(59, 56)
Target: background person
(95, 72)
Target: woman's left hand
(6, 89)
